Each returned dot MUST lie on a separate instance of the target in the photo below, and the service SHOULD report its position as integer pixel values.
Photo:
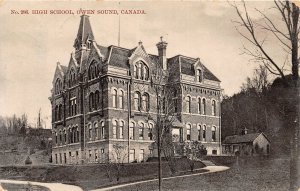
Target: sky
(31, 45)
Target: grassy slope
(89, 176)
(248, 175)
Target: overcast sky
(31, 45)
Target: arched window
(137, 101)
(96, 130)
(72, 78)
(91, 101)
(188, 104)
(146, 72)
(199, 132)
(60, 136)
(93, 71)
(121, 99)
(58, 86)
(70, 135)
(65, 136)
(102, 130)
(199, 105)
(141, 131)
(204, 133)
(77, 134)
(56, 138)
(56, 113)
(96, 99)
(121, 128)
(188, 132)
(73, 134)
(114, 129)
(90, 131)
(213, 107)
(141, 71)
(59, 117)
(213, 133)
(145, 102)
(135, 73)
(203, 106)
(199, 75)
(114, 98)
(131, 130)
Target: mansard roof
(187, 68)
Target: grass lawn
(253, 174)
(90, 176)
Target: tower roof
(85, 30)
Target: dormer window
(88, 44)
(58, 86)
(141, 71)
(198, 75)
(72, 77)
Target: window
(213, 109)
(96, 99)
(121, 127)
(188, 132)
(114, 123)
(96, 155)
(145, 102)
(131, 155)
(214, 152)
(96, 130)
(213, 133)
(65, 136)
(77, 134)
(199, 75)
(114, 98)
(58, 86)
(203, 106)
(90, 131)
(199, 132)
(65, 158)
(199, 105)
(150, 135)
(204, 133)
(188, 104)
(91, 101)
(56, 158)
(121, 99)
(141, 71)
(141, 156)
(137, 101)
(56, 138)
(73, 107)
(72, 80)
(93, 71)
(60, 112)
(141, 131)
(60, 137)
(131, 130)
(102, 130)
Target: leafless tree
(119, 153)
(286, 31)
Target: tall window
(145, 102)
(65, 136)
(137, 101)
(58, 86)
(199, 75)
(150, 135)
(114, 123)
(203, 106)
(141, 71)
(72, 77)
(90, 131)
(199, 105)
(141, 131)
(121, 99)
(93, 71)
(135, 69)
(96, 99)
(213, 108)
(56, 138)
(131, 155)
(188, 104)
(188, 132)
(121, 127)
(96, 130)
(114, 98)
(73, 106)
(204, 133)
(102, 130)
(213, 133)
(77, 135)
(145, 72)
(141, 155)
(131, 130)
(91, 101)
(199, 132)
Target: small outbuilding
(246, 145)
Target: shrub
(28, 161)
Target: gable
(60, 72)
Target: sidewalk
(210, 169)
(51, 186)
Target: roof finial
(140, 42)
(161, 38)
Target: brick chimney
(162, 48)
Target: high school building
(103, 95)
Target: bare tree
(119, 153)
(286, 31)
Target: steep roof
(119, 56)
(84, 30)
(248, 138)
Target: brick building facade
(103, 95)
